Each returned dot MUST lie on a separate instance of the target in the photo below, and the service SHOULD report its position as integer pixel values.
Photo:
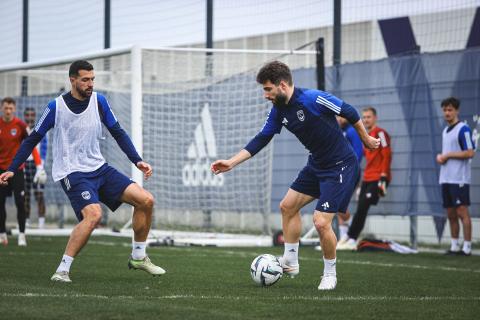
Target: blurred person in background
(12, 132)
(351, 135)
(35, 175)
(376, 177)
(458, 148)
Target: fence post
(413, 231)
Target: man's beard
(84, 93)
(280, 100)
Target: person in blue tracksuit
(352, 136)
(332, 169)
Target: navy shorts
(105, 185)
(332, 187)
(455, 195)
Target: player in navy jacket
(332, 169)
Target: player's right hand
(372, 143)
(220, 166)
(145, 168)
(4, 177)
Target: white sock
(343, 228)
(41, 222)
(329, 267)
(455, 246)
(467, 246)
(291, 253)
(138, 250)
(65, 264)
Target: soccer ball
(266, 270)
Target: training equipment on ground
(266, 270)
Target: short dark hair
(28, 109)
(9, 100)
(372, 109)
(275, 72)
(452, 101)
(78, 65)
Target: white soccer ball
(266, 270)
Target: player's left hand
(441, 159)
(382, 186)
(372, 143)
(4, 177)
(145, 168)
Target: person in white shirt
(458, 149)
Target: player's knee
(92, 216)
(345, 216)
(452, 215)
(463, 214)
(287, 208)
(148, 200)
(321, 222)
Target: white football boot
(22, 240)
(351, 244)
(146, 265)
(328, 282)
(290, 270)
(61, 277)
(342, 241)
(3, 239)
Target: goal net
(184, 108)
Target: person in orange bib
(12, 132)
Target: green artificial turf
(215, 283)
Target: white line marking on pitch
(402, 265)
(370, 263)
(204, 297)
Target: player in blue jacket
(352, 137)
(332, 170)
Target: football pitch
(215, 283)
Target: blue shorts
(105, 185)
(332, 187)
(455, 195)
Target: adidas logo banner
(201, 152)
(189, 130)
